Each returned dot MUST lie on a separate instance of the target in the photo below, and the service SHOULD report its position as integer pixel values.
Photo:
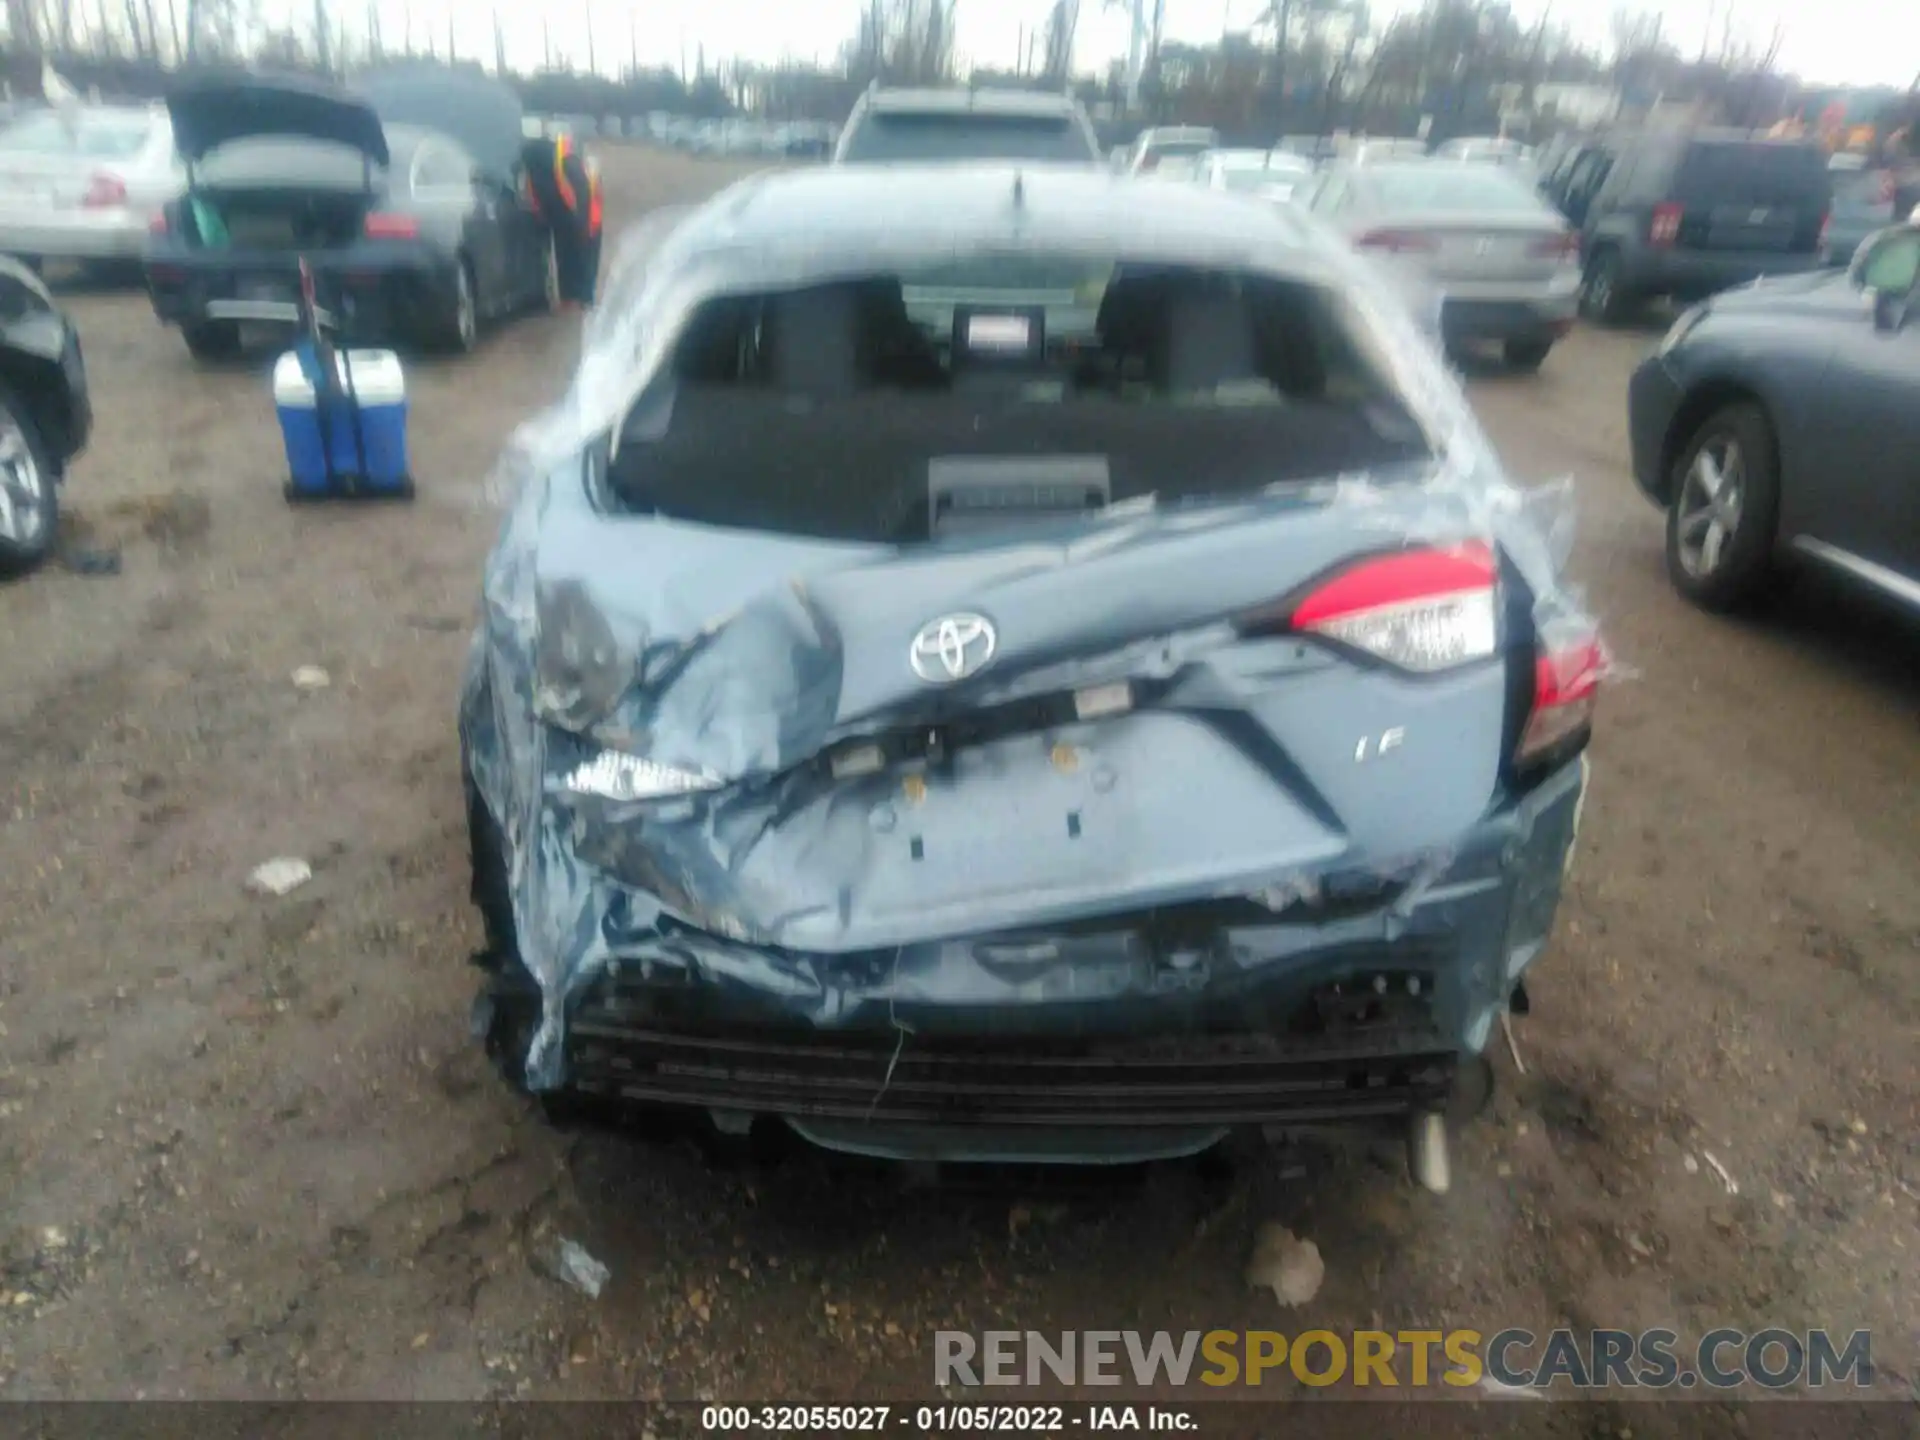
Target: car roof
(962, 101)
(803, 226)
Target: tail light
(1564, 246)
(158, 225)
(1566, 686)
(1826, 225)
(104, 191)
(383, 226)
(1421, 610)
(1665, 228)
(1397, 242)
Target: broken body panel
(1169, 859)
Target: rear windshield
(88, 136)
(1459, 186)
(892, 408)
(1252, 175)
(888, 137)
(1736, 172)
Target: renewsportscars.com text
(1724, 1359)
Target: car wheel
(216, 340)
(1600, 295)
(1527, 354)
(460, 328)
(1726, 496)
(29, 503)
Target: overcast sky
(1835, 41)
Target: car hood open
(207, 114)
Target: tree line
(1301, 66)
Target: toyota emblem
(952, 648)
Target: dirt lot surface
(247, 1147)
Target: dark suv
(888, 126)
(1689, 213)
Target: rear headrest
(1209, 342)
(813, 339)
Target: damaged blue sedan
(1012, 663)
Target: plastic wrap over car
(714, 653)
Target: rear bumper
(1115, 1037)
(1696, 274)
(75, 235)
(1539, 311)
(399, 296)
(1653, 399)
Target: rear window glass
(1252, 175)
(888, 137)
(879, 409)
(1449, 187)
(1736, 172)
(92, 137)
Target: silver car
(1504, 263)
(1264, 174)
(84, 182)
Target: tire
(212, 341)
(29, 489)
(1527, 354)
(1726, 572)
(1601, 299)
(459, 329)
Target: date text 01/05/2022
(943, 1419)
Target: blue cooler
(353, 443)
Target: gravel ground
(249, 1148)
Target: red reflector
(1564, 246)
(1398, 580)
(103, 192)
(381, 226)
(1397, 242)
(1566, 685)
(1665, 228)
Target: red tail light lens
(157, 225)
(1826, 224)
(1398, 242)
(382, 226)
(1665, 228)
(104, 191)
(1421, 610)
(1564, 246)
(1566, 687)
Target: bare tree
(1062, 23)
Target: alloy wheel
(1707, 512)
(23, 487)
